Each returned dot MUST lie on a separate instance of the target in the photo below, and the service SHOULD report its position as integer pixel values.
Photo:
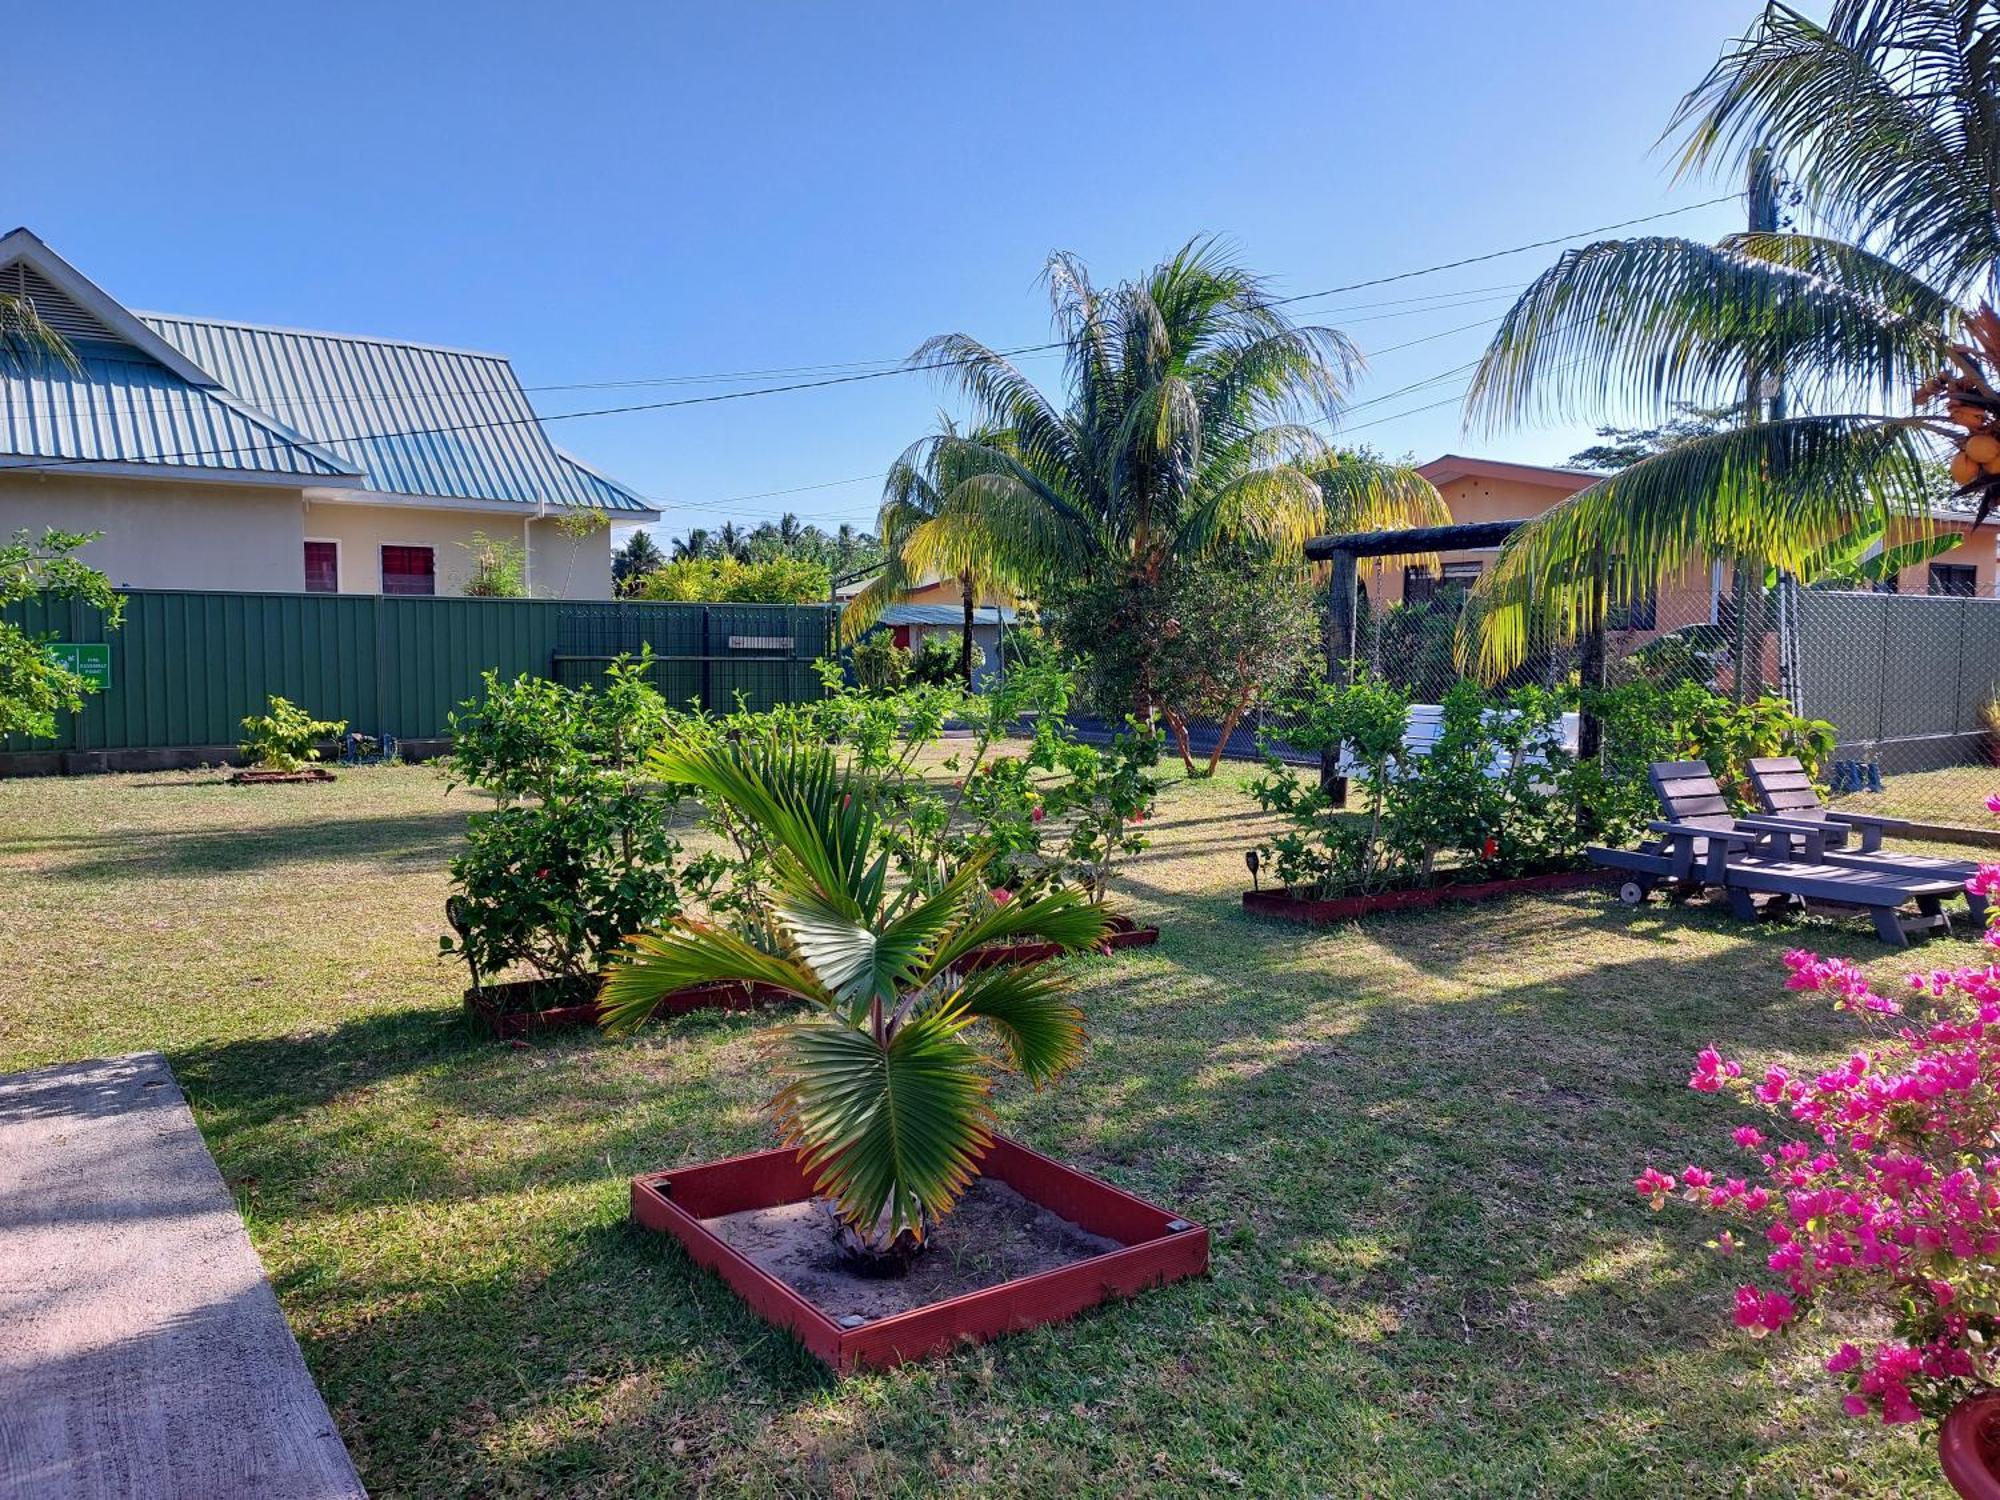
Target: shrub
(1495, 796)
(728, 580)
(285, 737)
(34, 687)
(1876, 1188)
(880, 665)
(580, 851)
(499, 568)
(935, 660)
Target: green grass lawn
(1413, 1140)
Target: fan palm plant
(1864, 349)
(887, 1098)
(1186, 426)
(918, 491)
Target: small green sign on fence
(90, 662)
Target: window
(1420, 585)
(1461, 575)
(1960, 580)
(322, 567)
(409, 570)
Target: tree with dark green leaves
(34, 686)
(1858, 347)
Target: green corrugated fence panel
(188, 666)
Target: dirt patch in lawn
(992, 1235)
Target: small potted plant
(282, 744)
(874, 1232)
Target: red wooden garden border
(1283, 904)
(1157, 1247)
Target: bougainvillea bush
(1874, 1185)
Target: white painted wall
(166, 535)
(251, 538)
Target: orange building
(1485, 489)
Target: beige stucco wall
(1686, 599)
(167, 535)
(557, 567)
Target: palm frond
(1064, 916)
(652, 966)
(1364, 494)
(26, 338)
(1030, 1010)
(1646, 326)
(1777, 493)
(894, 1129)
(1883, 117)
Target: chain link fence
(1910, 683)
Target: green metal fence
(187, 666)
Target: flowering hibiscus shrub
(1874, 1184)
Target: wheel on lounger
(1634, 892)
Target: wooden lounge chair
(1786, 793)
(1764, 866)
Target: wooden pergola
(1345, 552)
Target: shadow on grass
(406, 841)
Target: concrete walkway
(142, 1350)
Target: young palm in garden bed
(884, 1107)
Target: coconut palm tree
(1864, 347)
(639, 556)
(1183, 428)
(918, 491)
(695, 546)
(887, 1095)
(732, 541)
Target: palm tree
(789, 531)
(693, 547)
(1862, 347)
(918, 491)
(730, 541)
(639, 556)
(1177, 434)
(887, 1098)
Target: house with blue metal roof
(214, 454)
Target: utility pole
(1759, 386)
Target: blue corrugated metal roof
(122, 407)
(416, 418)
(946, 614)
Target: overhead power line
(825, 382)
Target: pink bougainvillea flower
(1749, 1137)
(1993, 804)
(1653, 1185)
(1001, 896)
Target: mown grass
(1413, 1140)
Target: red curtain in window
(322, 568)
(409, 570)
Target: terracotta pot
(1290, 906)
(1969, 1446)
(1155, 1247)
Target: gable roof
(400, 418)
(1450, 466)
(419, 419)
(133, 399)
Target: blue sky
(629, 192)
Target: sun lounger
(1786, 793)
(1763, 865)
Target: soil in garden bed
(992, 1235)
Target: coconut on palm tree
(1862, 351)
(887, 1093)
(918, 490)
(1186, 426)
